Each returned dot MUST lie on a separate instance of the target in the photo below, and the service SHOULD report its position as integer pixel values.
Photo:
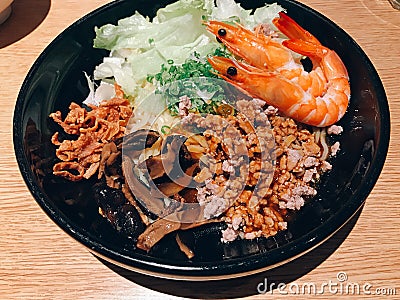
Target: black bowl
(57, 78)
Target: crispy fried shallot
(80, 158)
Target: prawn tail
(293, 30)
(330, 62)
(316, 51)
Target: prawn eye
(221, 32)
(232, 71)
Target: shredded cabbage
(143, 46)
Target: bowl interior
(57, 78)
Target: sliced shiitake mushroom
(152, 199)
(163, 226)
(139, 140)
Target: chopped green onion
(195, 66)
(165, 129)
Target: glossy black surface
(57, 78)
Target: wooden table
(39, 261)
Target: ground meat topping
(293, 157)
(229, 234)
(184, 105)
(261, 208)
(325, 166)
(335, 148)
(334, 129)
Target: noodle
(324, 145)
(317, 132)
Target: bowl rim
(208, 270)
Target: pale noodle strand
(324, 145)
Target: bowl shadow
(242, 286)
(26, 15)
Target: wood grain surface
(40, 261)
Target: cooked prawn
(267, 52)
(319, 98)
(256, 48)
